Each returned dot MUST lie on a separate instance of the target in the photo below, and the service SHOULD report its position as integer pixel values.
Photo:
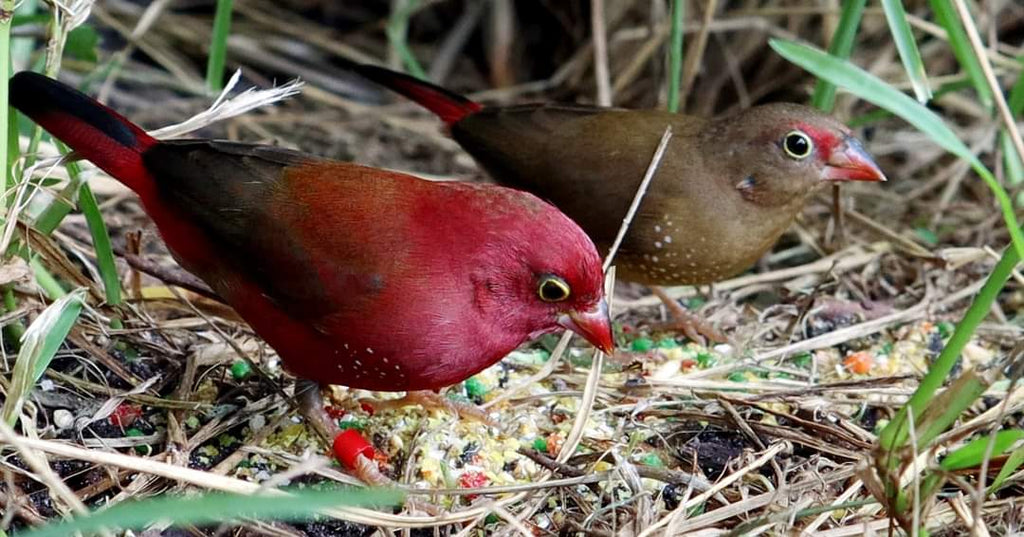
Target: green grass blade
(45, 280)
(896, 432)
(1014, 166)
(98, 230)
(101, 243)
(397, 32)
(7, 7)
(972, 454)
(944, 409)
(217, 507)
(219, 46)
(874, 90)
(58, 209)
(13, 152)
(675, 55)
(946, 16)
(55, 213)
(1016, 100)
(1013, 462)
(42, 340)
(879, 114)
(824, 97)
(907, 48)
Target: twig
(57, 487)
(649, 472)
(226, 484)
(597, 27)
(639, 196)
(986, 66)
(683, 508)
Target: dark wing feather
(231, 190)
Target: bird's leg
(352, 457)
(690, 323)
(311, 405)
(429, 399)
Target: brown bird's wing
(231, 191)
(588, 161)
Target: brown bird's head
(780, 153)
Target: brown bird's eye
(553, 289)
(798, 145)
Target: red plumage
(356, 276)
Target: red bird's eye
(553, 289)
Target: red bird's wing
(244, 201)
(354, 275)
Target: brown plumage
(725, 191)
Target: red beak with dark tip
(851, 162)
(594, 325)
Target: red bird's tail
(92, 130)
(449, 106)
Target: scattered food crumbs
(125, 415)
(240, 369)
(859, 363)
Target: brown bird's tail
(92, 130)
(449, 106)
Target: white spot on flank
(657, 229)
(668, 239)
(359, 364)
(654, 258)
(657, 244)
(385, 360)
(369, 350)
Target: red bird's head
(542, 274)
(779, 153)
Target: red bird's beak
(850, 162)
(594, 325)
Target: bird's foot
(349, 446)
(430, 400)
(692, 325)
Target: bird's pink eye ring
(797, 145)
(553, 289)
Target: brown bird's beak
(593, 325)
(850, 162)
